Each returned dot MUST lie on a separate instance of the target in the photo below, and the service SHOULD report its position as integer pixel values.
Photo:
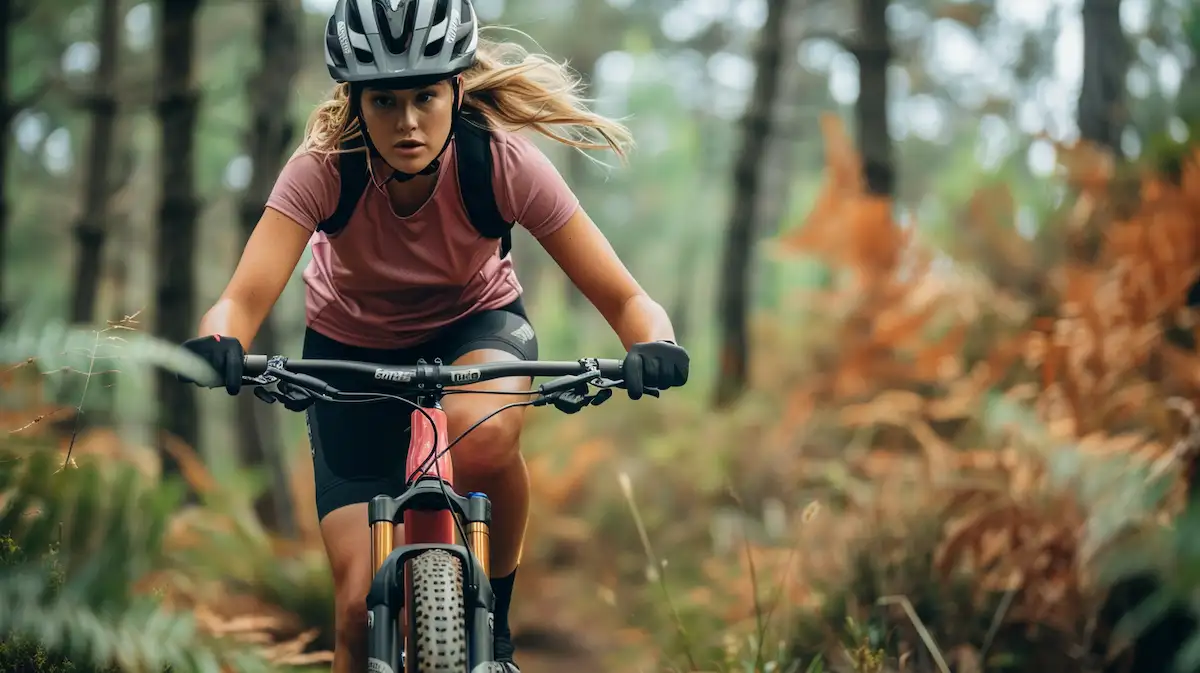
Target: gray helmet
(406, 40)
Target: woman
(409, 277)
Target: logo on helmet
(344, 38)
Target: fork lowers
(479, 535)
(382, 540)
(385, 640)
(481, 601)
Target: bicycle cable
(423, 470)
(433, 460)
(374, 397)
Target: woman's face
(409, 126)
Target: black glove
(654, 364)
(224, 354)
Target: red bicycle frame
(426, 440)
(429, 436)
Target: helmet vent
(353, 18)
(440, 10)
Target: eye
(426, 96)
(382, 102)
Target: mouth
(409, 145)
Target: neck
(407, 197)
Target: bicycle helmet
(408, 42)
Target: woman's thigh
(358, 449)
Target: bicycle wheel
(438, 613)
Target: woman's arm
(270, 257)
(581, 250)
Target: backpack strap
(473, 146)
(352, 170)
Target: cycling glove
(654, 364)
(224, 354)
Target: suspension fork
(429, 436)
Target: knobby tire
(439, 613)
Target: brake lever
(310, 383)
(565, 383)
(290, 395)
(609, 384)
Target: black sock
(502, 589)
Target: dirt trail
(559, 625)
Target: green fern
(78, 542)
(53, 346)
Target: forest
(935, 262)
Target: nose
(406, 119)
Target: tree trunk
(91, 229)
(8, 110)
(175, 300)
(733, 308)
(873, 51)
(268, 143)
(1102, 115)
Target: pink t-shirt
(387, 281)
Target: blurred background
(932, 260)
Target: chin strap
(401, 176)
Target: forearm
(642, 319)
(229, 317)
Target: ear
(459, 91)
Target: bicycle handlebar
(308, 373)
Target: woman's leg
(347, 540)
(489, 460)
(350, 467)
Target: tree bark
(91, 229)
(874, 51)
(175, 300)
(733, 308)
(8, 110)
(1102, 115)
(268, 142)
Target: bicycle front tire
(438, 612)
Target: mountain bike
(439, 572)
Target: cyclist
(410, 277)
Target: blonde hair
(513, 89)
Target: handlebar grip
(610, 369)
(254, 365)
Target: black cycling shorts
(359, 449)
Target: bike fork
(480, 615)
(381, 638)
(384, 628)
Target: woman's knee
(351, 612)
(494, 445)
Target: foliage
(952, 471)
(99, 572)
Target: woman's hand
(655, 364)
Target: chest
(436, 246)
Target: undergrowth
(950, 470)
(99, 565)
